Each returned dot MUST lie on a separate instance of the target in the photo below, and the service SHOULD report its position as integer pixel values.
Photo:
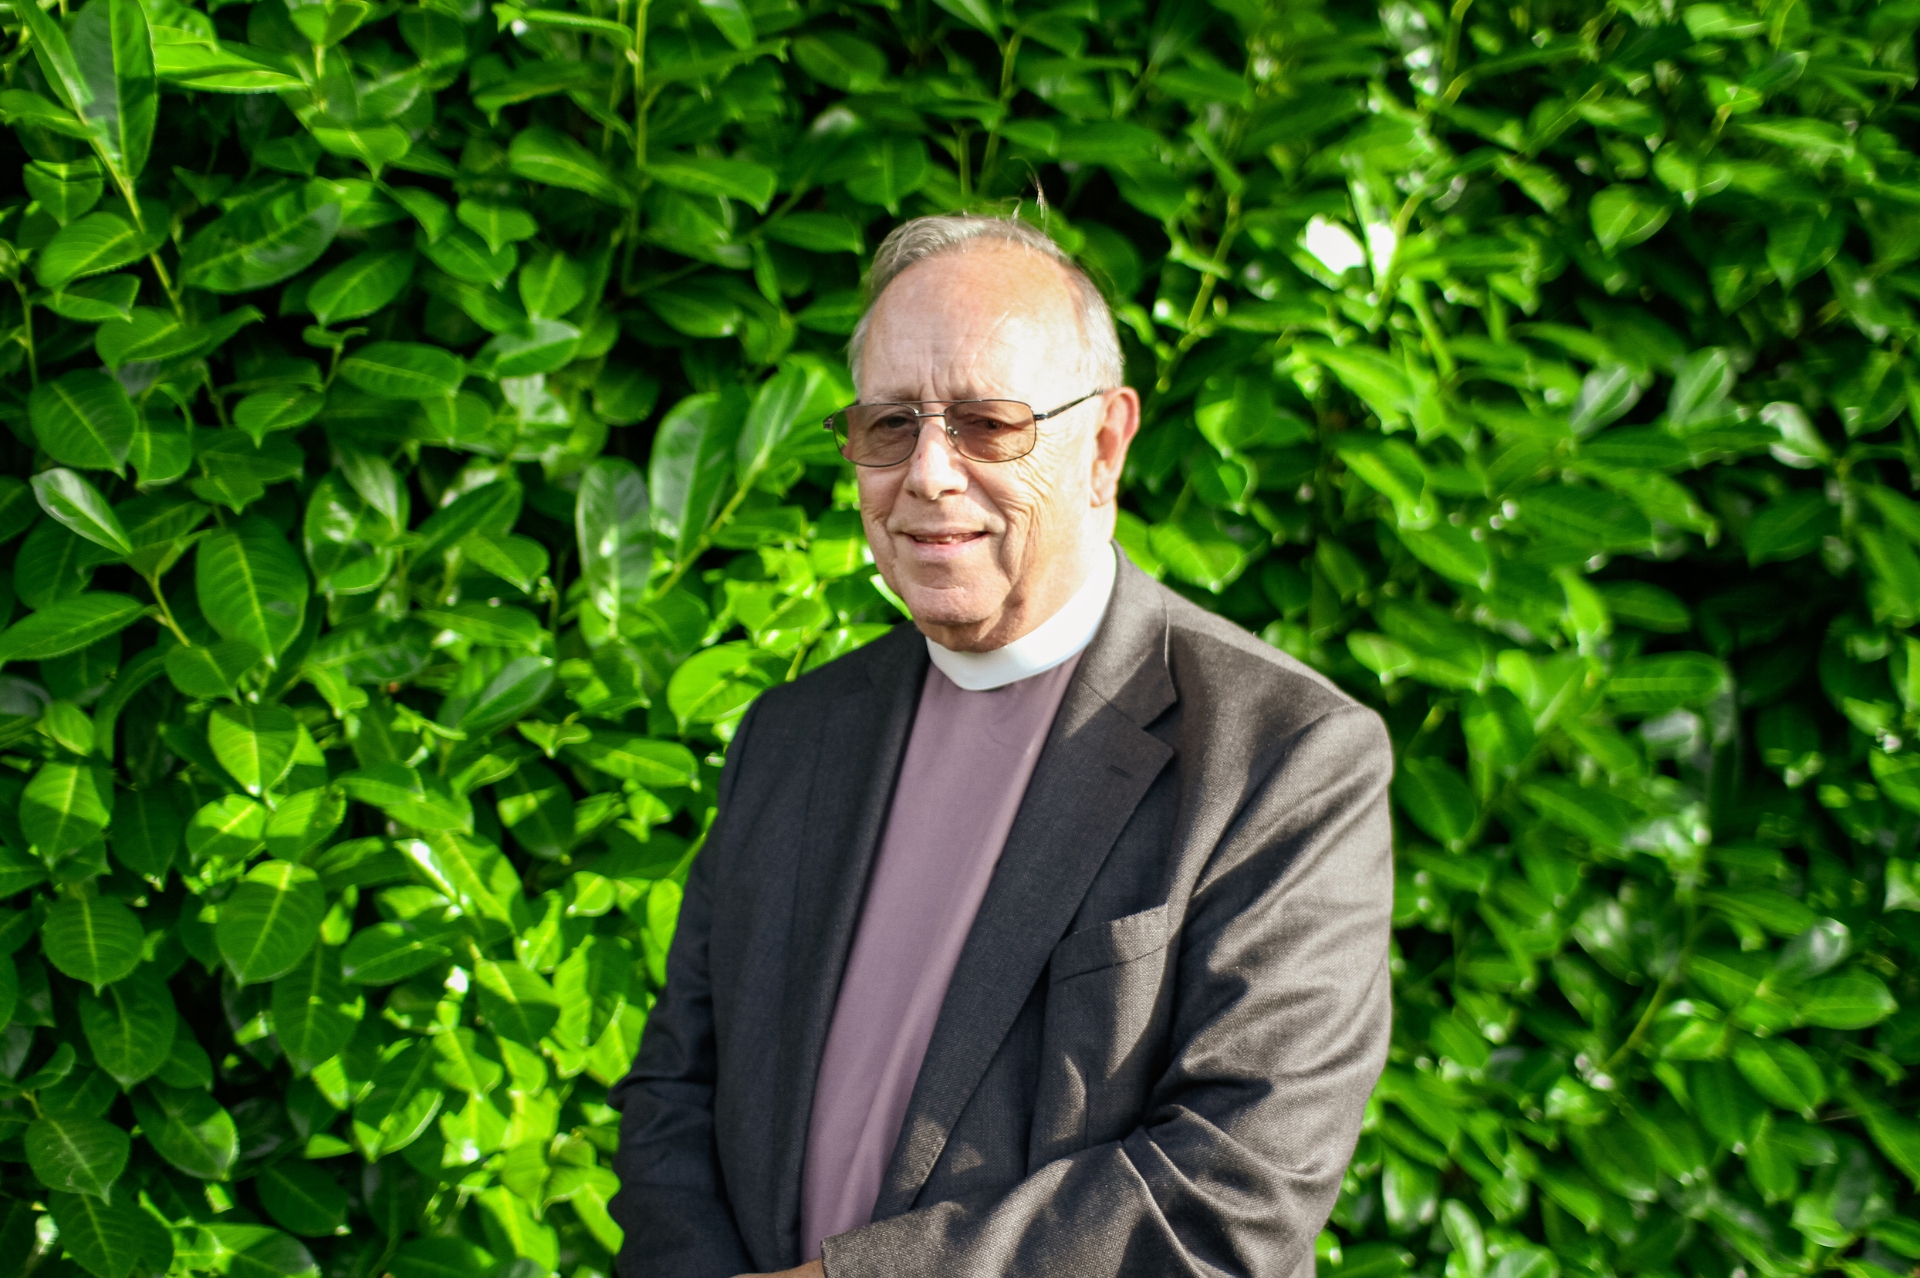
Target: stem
(166, 282)
(706, 539)
(26, 334)
(166, 613)
(1451, 58)
(639, 59)
(989, 156)
(1203, 297)
(613, 85)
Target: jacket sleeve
(672, 1204)
(1279, 1032)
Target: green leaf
(259, 415)
(841, 60)
(735, 179)
(66, 806)
(551, 284)
(227, 830)
(1791, 526)
(492, 506)
(270, 921)
(254, 743)
(1654, 685)
(441, 1258)
(130, 1025)
(404, 370)
(374, 145)
(303, 1198)
(189, 1128)
(73, 501)
(1624, 215)
(361, 285)
(68, 626)
(516, 1002)
(109, 297)
(110, 1239)
(313, 1016)
(254, 1251)
(1848, 1001)
(891, 168)
(257, 245)
(84, 419)
(390, 952)
(614, 530)
(1437, 798)
(251, 586)
(113, 50)
(816, 232)
(1783, 1072)
(467, 1062)
(541, 154)
(412, 798)
(693, 454)
(95, 939)
(147, 830)
(537, 810)
(975, 13)
(714, 684)
(212, 671)
(658, 765)
(463, 255)
(304, 821)
(497, 224)
(778, 410)
(17, 106)
(64, 191)
(488, 623)
(77, 1155)
(521, 685)
(541, 346)
(401, 1101)
(97, 243)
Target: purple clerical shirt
(965, 771)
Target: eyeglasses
(982, 430)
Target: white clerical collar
(1057, 639)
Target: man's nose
(936, 468)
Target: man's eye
(902, 421)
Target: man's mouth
(945, 539)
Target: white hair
(925, 237)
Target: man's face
(982, 552)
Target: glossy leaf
(251, 586)
(270, 921)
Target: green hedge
(420, 406)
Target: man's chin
(958, 610)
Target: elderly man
(1050, 939)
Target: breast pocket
(1109, 944)
(1106, 1016)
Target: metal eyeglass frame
(947, 427)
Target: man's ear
(1116, 431)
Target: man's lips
(946, 538)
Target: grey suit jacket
(1163, 1027)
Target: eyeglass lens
(988, 430)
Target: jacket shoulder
(1213, 660)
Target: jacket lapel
(1092, 773)
(862, 739)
